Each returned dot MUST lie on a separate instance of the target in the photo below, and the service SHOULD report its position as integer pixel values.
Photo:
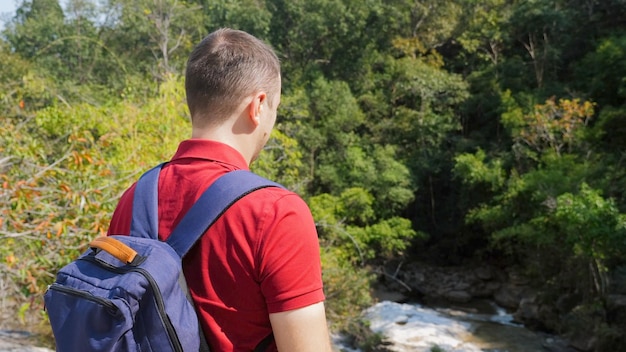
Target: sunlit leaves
(553, 126)
(63, 171)
(474, 170)
(484, 28)
(251, 16)
(384, 240)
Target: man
(257, 269)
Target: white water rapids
(415, 328)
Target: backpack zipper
(165, 320)
(86, 295)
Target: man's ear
(255, 107)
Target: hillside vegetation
(441, 130)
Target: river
(477, 327)
(412, 327)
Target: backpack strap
(223, 193)
(145, 216)
(215, 200)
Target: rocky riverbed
(450, 286)
(19, 341)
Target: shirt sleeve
(290, 268)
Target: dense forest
(449, 131)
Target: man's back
(261, 257)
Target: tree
(539, 26)
(36, 27)
(171, 27)
(484, 34)
(247, 15)
(552, 126)
(37, 33)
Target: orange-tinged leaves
(78, 160)
(42, 225)
(32, 281)
(17, 225)
(59, 227)
(10, 259)
(553, 125)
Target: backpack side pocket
(82, 321)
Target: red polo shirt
(260, 257)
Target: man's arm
(301, 330)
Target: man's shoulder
(276, 193)
(275, 199)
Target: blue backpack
(128, 293)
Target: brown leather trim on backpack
(114, 247)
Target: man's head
(227, 67)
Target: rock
(616, 309)
(518, 279)
(508, 296)
(18, 341)
(485, 289)
(548, 318)
(553, 344)
(458, 296)
(566, 302)
(484, 273)
(616, 301)
(527, 312)
(461, 285)
(583, 342)
(618, 280)
(536, 314)
(383, 293)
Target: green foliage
(420, 117)
(536, 213)
(356, 206)
(348, 222)
(473, 121)
(361, 336)
(316, 35)
(281, 161)
(593, 225)
(589, 225)
(173, 28)
(473, 170)
(484, 29)
(37, 24)
(431, 22)
(600, 72)
(386, 239)
(346, 288)
(247, 15)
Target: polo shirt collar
(211, 151)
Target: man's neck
(225, 134)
